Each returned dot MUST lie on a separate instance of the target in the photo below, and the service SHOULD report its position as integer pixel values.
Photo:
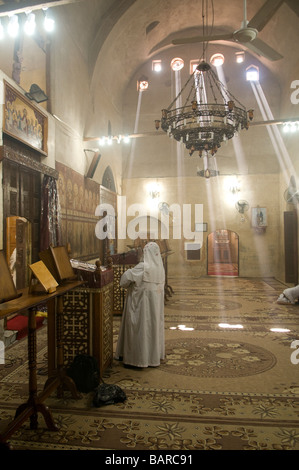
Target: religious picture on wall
(259, 217)
(23, 121)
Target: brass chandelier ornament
(211, 114)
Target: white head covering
(153, 265)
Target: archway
(223, 253)
(108, 179)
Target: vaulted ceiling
(140, 29)
(119, 38)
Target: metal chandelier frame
(210, 115)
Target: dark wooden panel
(22, 198)
(291, 247)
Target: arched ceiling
(117, 40)
(146, 29)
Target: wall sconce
(104, 140)
(36, 94)
(232, 188)
(154, 190)
(235, 187)
(232, 185)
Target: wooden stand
(57, 375)
(28, 303)
(34, 404)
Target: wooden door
(291, 247)
(21, 199)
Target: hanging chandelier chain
(213, 116)
(211, 79)
(192, 89)
(225, 93)
(180, 93)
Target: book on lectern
(41, 273)
(57, 261)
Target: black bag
(107, 394)
(84, 371)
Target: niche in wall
(223, 253)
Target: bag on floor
(85, 372)
(107, 394)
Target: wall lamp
(13, 23)
(109, 140)
(36, 94)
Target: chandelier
(211, 114)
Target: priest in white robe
(141, 335)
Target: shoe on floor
(287, 293)
(283, 300)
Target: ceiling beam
(10, 7)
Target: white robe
(141, 335)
